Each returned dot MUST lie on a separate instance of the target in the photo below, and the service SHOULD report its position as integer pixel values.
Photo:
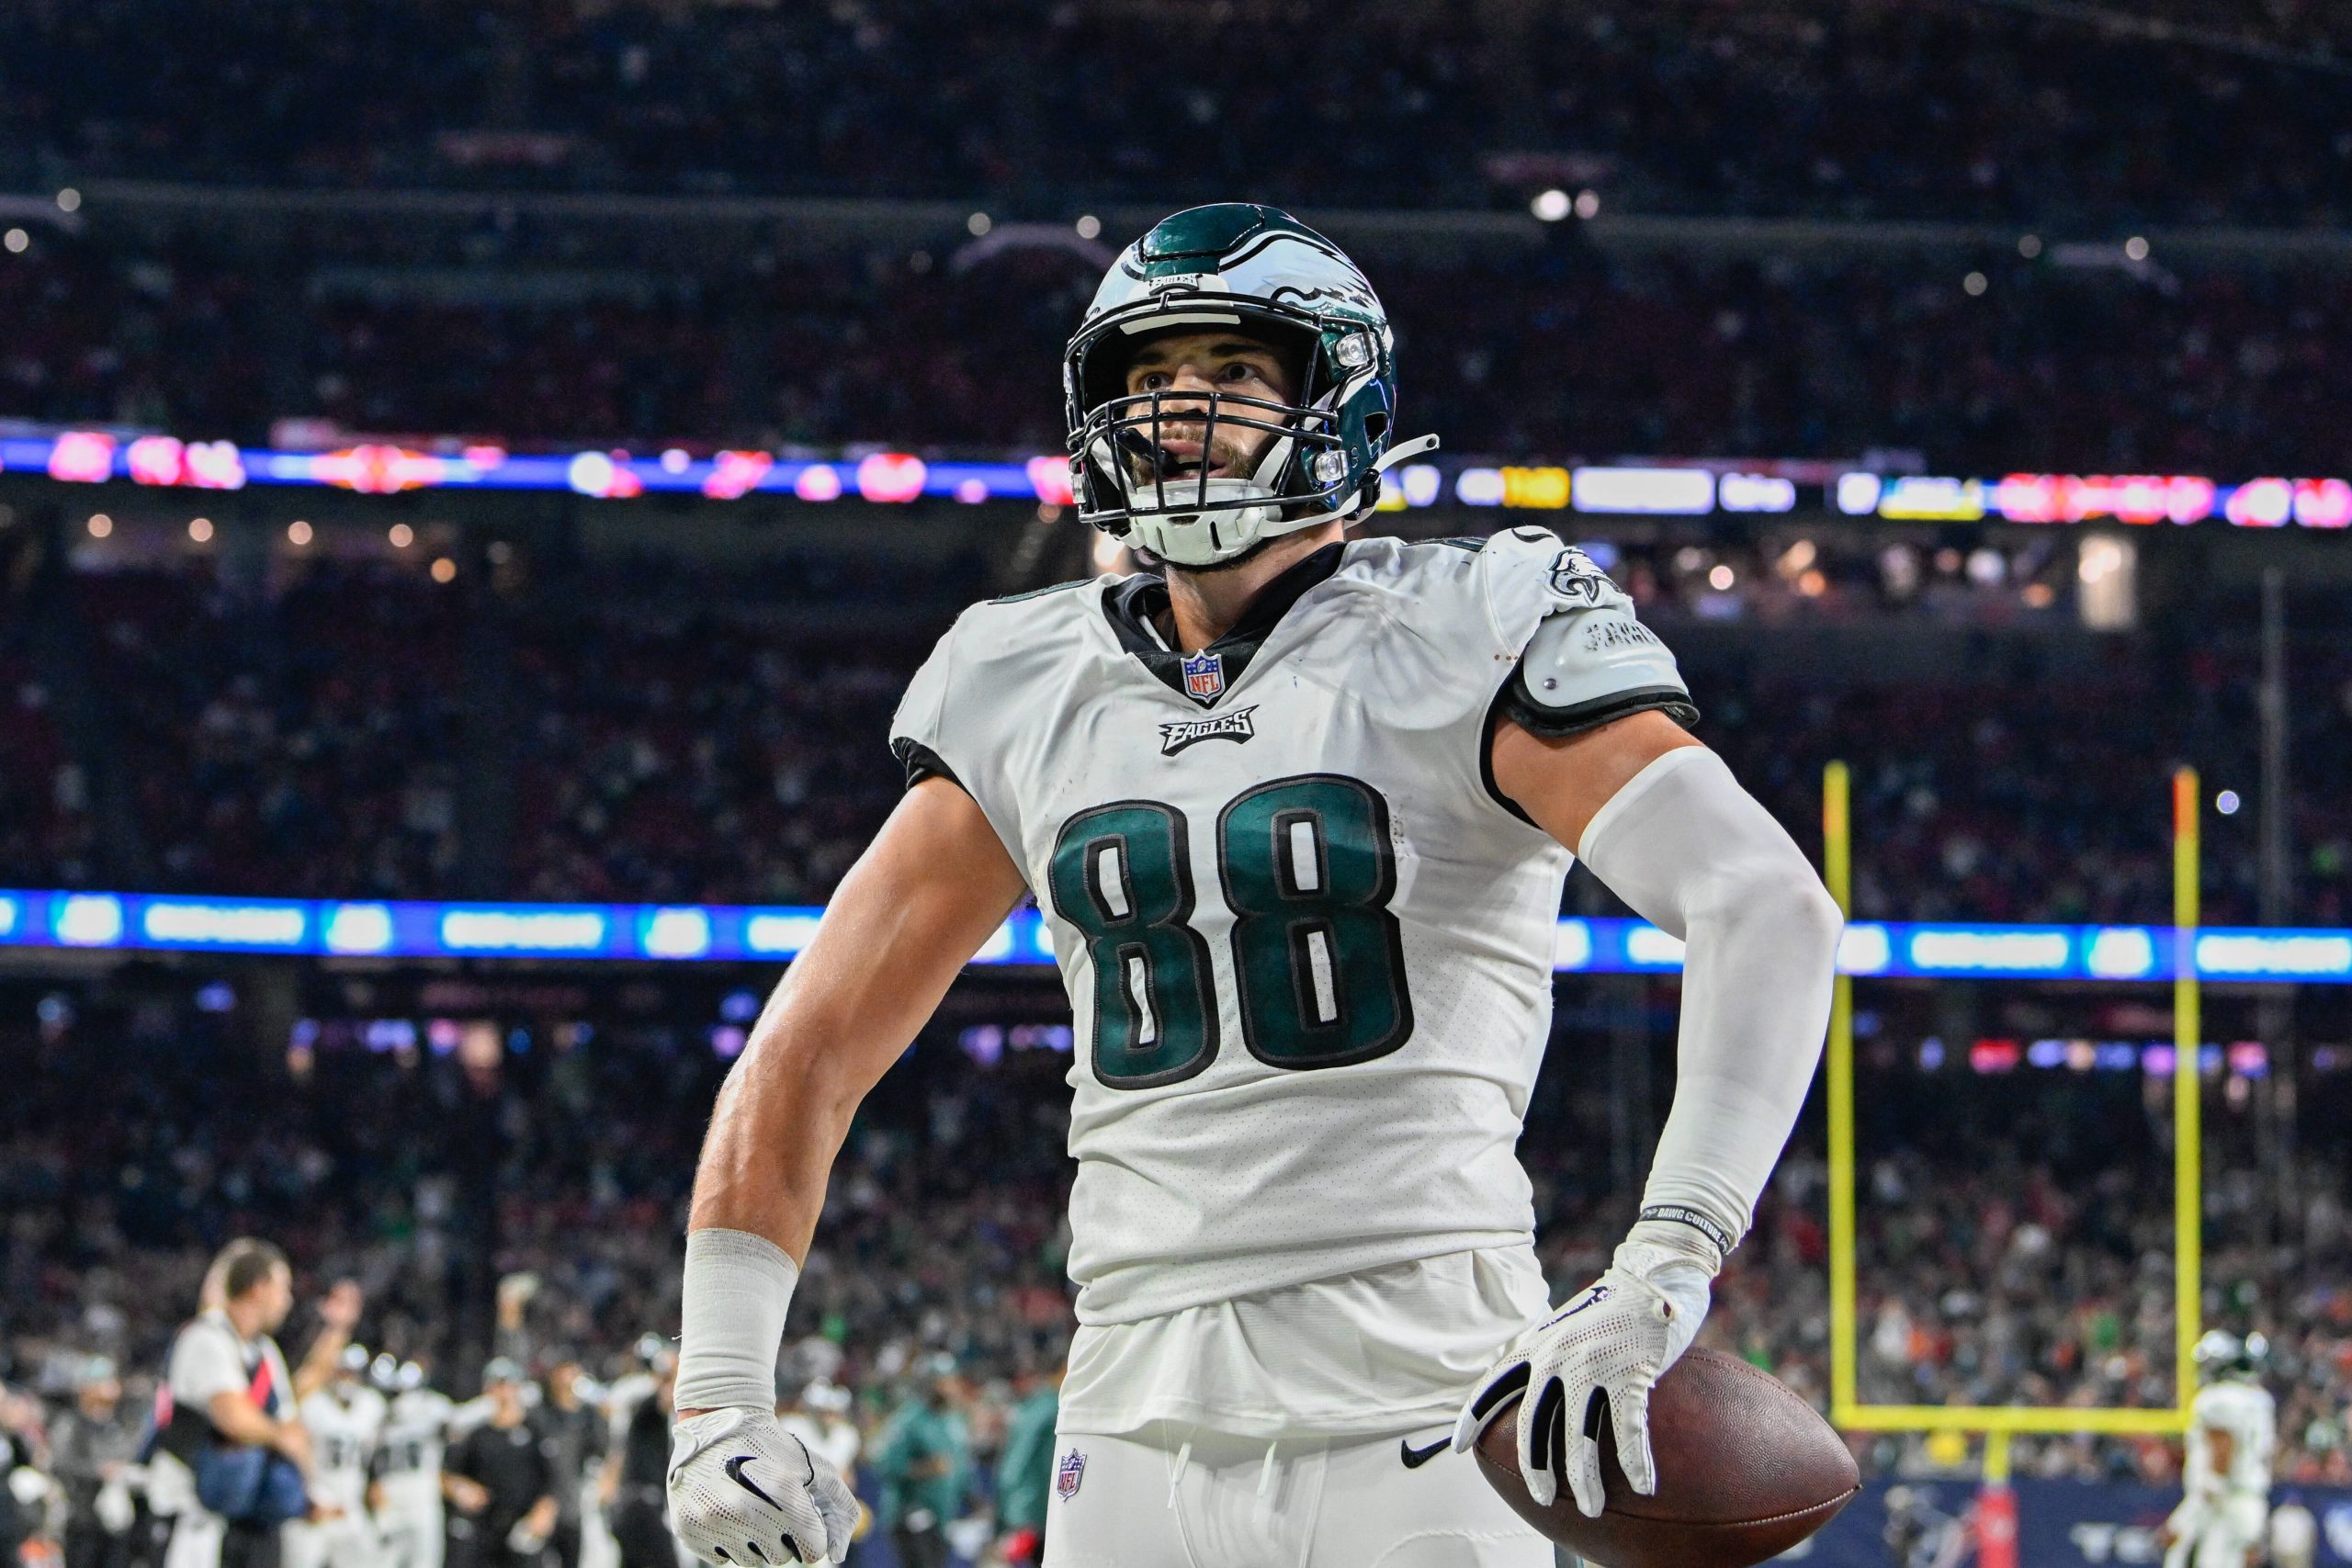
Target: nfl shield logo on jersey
(1204, 676)
(1069, 1473)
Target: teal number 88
(1305, 866)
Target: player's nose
(1190, 386)
(1184, 407)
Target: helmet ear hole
(1376, 427)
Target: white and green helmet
(1262, 270)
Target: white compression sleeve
(1698, 857)
(738, 1288)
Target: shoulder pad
(1584, 658)
(1530, 575)
(1041, 592)
(1585, 667)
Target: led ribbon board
(154, 922)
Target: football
(1745, 1470)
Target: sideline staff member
(501, 1479)
(228, 1383)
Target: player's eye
(1239, 370)
(1151, 381)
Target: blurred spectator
(1025, 1473)
(2072, 361)
(2195, 112)
(93, 1443)
(2015, 1241)
(692, 733)
(28, 1509)
(924, 1463)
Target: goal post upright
(2188, 1109)
(1838, 871)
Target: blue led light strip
(717, 932)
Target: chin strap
(1403, 449)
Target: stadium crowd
(557, 1166)
(2199, 112)
(654, 730)
(1985, 363)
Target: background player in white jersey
(407, 1491)
(820, 1417)
(2225, 1483)
(1296, 814)
(345, 1420)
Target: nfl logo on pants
(1069, 1473)
(1203, 675)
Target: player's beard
(1236, 461)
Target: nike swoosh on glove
(1602, 1352)
(744, 1492)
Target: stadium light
(1551, 206)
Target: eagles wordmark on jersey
(1307, 944)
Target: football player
(346, 1418)
(407, 1489)
(1296, 809)
(2225, 1481)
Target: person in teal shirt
(1025, 1472)
(924, 1466)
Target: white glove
(1612, 1343)
(745, 1492)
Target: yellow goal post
(1999, 1422)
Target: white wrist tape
(1694, 855)
(738, 1288)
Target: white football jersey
(2247, 1412)
(415, 1429)
(343, 1440)
(1308, 945)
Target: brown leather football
(1745, 1470)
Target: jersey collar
(1132, 607)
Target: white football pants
(2223, 1536)
(416, 1535)
(1220, 1502)
(351, 1541)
